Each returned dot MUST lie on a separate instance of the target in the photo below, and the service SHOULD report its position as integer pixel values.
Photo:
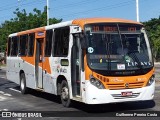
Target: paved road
(12, 100)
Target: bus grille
(116, 86)
(119, 96)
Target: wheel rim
(64, 93)
(22, 84)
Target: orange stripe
(46, 64)
(31, 31)
(88, 71)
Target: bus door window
(39, 50)
(39, 62)
(75, 65)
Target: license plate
(126, 93)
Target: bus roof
(83, 21)
(80, 22)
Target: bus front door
(39, 62)
(75, 67)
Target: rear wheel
(23, 87)
(65, 97)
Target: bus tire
(65, 96)
(23, 87)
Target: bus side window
(23, 45)
(31, 39)
(14, 46)
(9, 46)
(48, 46)
(61, 43)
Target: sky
(72, 9)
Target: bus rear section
(94, 61)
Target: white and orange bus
(94, 61)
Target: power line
(16, 6)
(4, 8)
(75, 4)
(101, 8)
(112, 6)
(30, 3)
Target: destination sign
(112, 28)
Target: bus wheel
(23, 87)
(65, 97)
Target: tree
(23, 21)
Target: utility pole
(137, 10)
(18, 4)
(47, 12)
(18, 7)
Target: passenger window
(31, 39)
(61, 43)
(9, 46)
(14, 46)
(48, 46)
(23, 45)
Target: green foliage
(153, 28)
(23, 21)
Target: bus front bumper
(101, 96)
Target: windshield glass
(118, 48)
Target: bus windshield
(118, 49)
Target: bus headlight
(96, 83)
(151, 80)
